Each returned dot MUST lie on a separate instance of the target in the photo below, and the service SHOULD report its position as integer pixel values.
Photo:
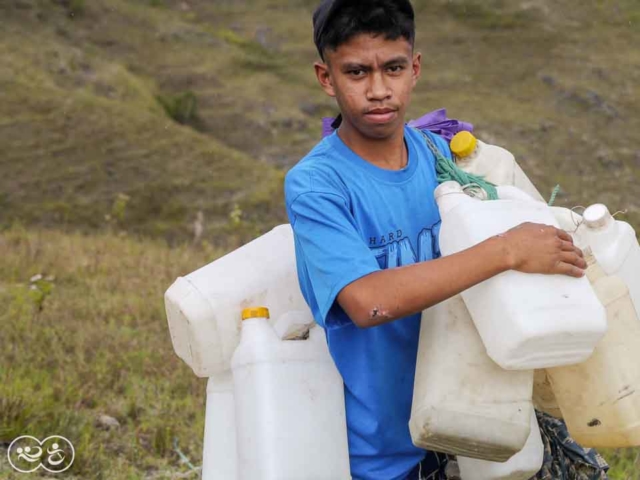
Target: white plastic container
(600, 398)
(494, 163)
(568, 220)
(615, 246)
(202, 307)
(463, 403)
(290, 411)
(526, 321)
(522, 466)
(543, 397)
(219, 452)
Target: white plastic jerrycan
(494, 163)
(615, 246)
(463, 403)
(219, 452)
(202, 306)
(600, 398)
(522, 466)
(289, 399)
(543, 397)
(568, 220)
(526, 321)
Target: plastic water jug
(202, 307)
(600, 398)
(219, 452)
(463, 403)
(494, 163)
(615, 246)
(526, 321)
(289, 399)
(567, 219)
(543, 397)
(522, 466)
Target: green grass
(100, 345)
(625, 464)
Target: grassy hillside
(90, 93)
(98, 344)
(123, 119)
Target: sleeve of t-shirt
(333, 250)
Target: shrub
(181, 107)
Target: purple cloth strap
(327, 129)
(436, 122)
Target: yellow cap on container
(463, 144)
(255, 312)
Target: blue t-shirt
(351, 218)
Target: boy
(365, 225)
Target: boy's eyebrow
(399, 60)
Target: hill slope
(83, 84)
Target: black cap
(327, 8)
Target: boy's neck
(389, 153)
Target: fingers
(570, 247)
(564, 236)
(574, 259)
(570, 270)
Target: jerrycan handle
(294, 325)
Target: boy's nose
(378, 89)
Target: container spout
(448, 195)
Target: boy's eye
(356, 72)
(396, 68)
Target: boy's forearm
(394, 293)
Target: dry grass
(100, 345)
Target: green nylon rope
(554, 194)
(447, 170)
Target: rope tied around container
(447, 171)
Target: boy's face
(372, 79)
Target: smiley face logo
(27, 454)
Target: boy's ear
(324, 78)
(416, 67)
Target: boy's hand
(538, 248)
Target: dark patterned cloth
(564, 459)
(435, 466)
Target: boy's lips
(380, 115)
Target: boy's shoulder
(326, 169)
(318, 171)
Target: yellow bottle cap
(255, 312)
(463, 144)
